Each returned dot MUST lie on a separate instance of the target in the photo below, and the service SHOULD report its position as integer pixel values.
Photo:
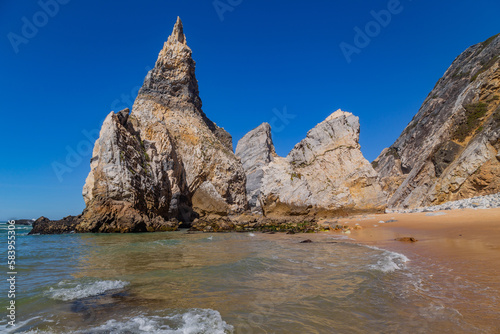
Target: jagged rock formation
(44, 225)
(128, 187)
(165, 162)
(450, 150)
(324, 173)
(255, 150)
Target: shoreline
(467, 234)
(451, 275)
(460, 249)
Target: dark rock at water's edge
(25, 222)
(44, 225)
(212, 223)
(254, 222)
(119, 217)
(102, 224)
(119, 220)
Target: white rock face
(122, 171)
(255, 150)
(128, 187)
(324, 172)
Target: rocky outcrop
(25, 222)
(164, 163)
(168, 112)
(256, 150)
(325, 173)
(128, 188)
(44, 225)
(256, 222)
(449, 151)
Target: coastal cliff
(450, 150)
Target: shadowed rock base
(119, 218)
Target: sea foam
(67, 291)
(388, 261)
(193, 322)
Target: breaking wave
(194, 321)
(67, 291)
(388, 261)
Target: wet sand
(463, 244)
(468, 235)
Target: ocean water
(178, 282)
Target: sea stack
(164, 163)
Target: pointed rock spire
(256, 150)
(177, 35)
(173, 81)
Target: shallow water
(175, 282)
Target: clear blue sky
(91, 56)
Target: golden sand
(464, 243)
(469, 235)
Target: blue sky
(255, 60)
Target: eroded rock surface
(255, 150)
(324, 173)
(44, 225)
(449, 151)
(148, 166)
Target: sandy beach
(468, 235)
(462, 247)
